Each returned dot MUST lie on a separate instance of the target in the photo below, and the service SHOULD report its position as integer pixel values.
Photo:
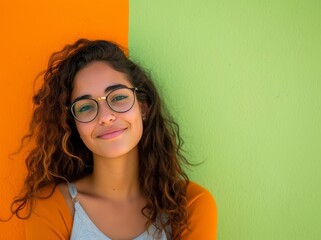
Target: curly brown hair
(59, 155)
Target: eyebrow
(108, 89)
(113, 87)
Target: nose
(105, 114)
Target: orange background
(31, 32)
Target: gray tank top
(84, 229)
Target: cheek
(138, 118)
(79, 129)
(134, 118)
(140, 127)
(83, 130)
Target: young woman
(106, 161)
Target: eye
(84, 108)
(118, 98)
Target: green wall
(243, 79)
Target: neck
(116, 178)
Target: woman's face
(110, 134)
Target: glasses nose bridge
(105, 104)
(102, 98)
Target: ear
(144, 110)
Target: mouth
(111, 134)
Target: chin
(117, 152)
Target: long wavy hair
(59, 155)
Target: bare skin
(111, 195)
(114, 205)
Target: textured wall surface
(243, 79)
(30, 32)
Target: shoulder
(63, 187)
(202, 213)
(196, 194)
(50, 215)
(52, 199)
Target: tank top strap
(72, 191)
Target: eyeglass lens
(119, 100)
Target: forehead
(94, 78)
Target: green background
(243, 80)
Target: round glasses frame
(106, 98)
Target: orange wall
(30, 32)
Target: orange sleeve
(202, 214)
(50, 218)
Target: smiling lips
(111, 133)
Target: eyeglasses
(119, 100)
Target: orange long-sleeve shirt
(51, 218)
